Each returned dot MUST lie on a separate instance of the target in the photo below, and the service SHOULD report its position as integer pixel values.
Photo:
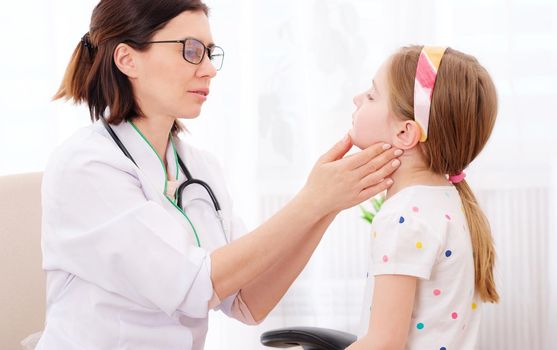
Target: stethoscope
(190, 180)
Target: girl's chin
(357, 142)
(360, 146)
(363, 144)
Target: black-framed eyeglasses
(194, 51)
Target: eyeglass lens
(194, 50)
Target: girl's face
(372, 121)
(166, 84)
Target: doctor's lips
(202, 92)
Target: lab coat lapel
(173, 167)
(151, 171)
(145, 157)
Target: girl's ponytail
(482, 244)
(461, 119)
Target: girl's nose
(356, 100)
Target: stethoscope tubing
(189, 178)
(189, 181)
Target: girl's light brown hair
(93, 77)
(463, 112)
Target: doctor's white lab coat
(123, 267)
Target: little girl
(432, 250)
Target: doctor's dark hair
(462, 116)
(93, 77)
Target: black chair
(309, 338)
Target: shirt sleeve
(235, 307)
(99, 226)
(403, 243)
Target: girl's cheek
(362, 133)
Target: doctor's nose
(206, 68)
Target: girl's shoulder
(429, 207)
(416, 197)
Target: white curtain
(284, 97)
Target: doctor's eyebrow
(210, 44)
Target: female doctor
(139, 237)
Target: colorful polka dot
(436, 292)
(448, 253)
(448, 217)
(420, 326)
(385, 258)
(474, 306)
(454, 315)
(415, 209)
(401, 220)
(442, 348)
(419, 245)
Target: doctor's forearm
(237, 264)
(264, 292)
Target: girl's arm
(391, 312)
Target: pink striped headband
(426, 73)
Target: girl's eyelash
(369, 97)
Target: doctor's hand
(337, 182)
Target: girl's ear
(408, 134)
(124, 58)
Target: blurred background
(284, 97)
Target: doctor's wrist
(313, 209)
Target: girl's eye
(369, 97)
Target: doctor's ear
(408, 134)
(124, 58)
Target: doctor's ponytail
(93, 78)
(73, 84)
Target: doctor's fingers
(356, 160)
(385, 162)
(377, 176)
(337, 151)
(374, 190)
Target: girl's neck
(414, 171)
